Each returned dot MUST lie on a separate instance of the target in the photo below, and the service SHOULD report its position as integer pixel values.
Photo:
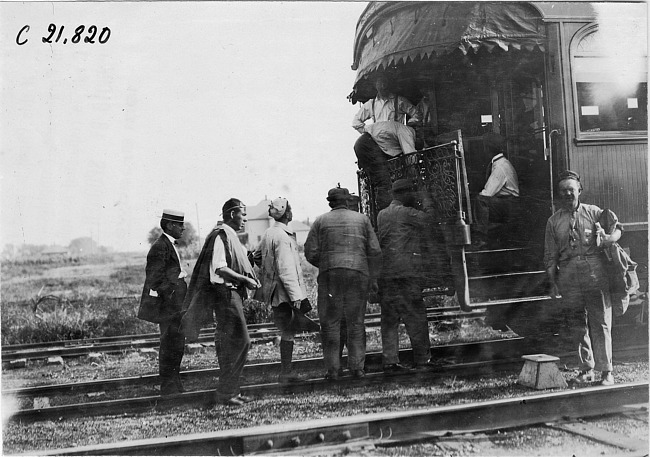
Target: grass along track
(77, 348)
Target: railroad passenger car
(564, 83)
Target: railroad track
(461, 360)
(118, 344)
(467, 358)
(389, 428)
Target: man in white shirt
(386, 137)
(497, 202)
(222, 274)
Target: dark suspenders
(395, 112)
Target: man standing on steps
(162, 299)
(575, 264)
(283, 285)
(390, 134)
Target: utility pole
(198, 226)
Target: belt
(582, 257)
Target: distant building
(301, 229)
(259, 220)
(53, 252)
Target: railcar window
(605, 107)
(610, 88)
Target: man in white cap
(162, 299)
(283, 285)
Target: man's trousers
(401, 298)
(231, 339)
(373, 160)
(584, 286)
(172, 346)
(342, 293)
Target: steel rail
(77, 348)
(388, 427)
(205, 398)
(505, 348)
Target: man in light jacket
(283, 284)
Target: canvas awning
(390, 33)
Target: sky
(185, 105)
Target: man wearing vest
(219, 281)
(386, 137)
(162, 299)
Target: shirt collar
(497, 157)
(228, 228)
(170, 238)
(284, 227)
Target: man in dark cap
(576, 268)
(344, 247)
(386, 137)
(162, 299)
(403, 237)
(497, 202)
(219, 283)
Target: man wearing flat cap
(283, 284)
(343, 246)
(162, 299)
(576, 268)
(404, 235)
(222, 274)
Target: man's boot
(286, 374)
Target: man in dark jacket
(162, 299)
(403, 237)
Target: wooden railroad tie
(541, 372)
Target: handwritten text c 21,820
(91, 35)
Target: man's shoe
(358, 374)
(585, 377)
(234, 401)
(179, 385)
(428, 366)
(395, 368)
(287, 378)
(607, 379)
(332, 376)
(169, 387)
(245, 398)
(170, 390)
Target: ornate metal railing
(439, 171)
